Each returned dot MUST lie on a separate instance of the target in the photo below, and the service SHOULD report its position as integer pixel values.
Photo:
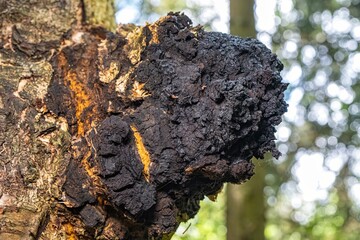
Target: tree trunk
(120, 135)
(242, 20)
(245, 215)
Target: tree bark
(120, 135)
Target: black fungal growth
(120, 169)
(212, 103)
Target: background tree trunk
(242, 20)
(119, 135)
(245, 215)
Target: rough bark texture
(120, 135)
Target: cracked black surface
(214, 101)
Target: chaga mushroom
(161, 116)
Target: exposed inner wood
(143, 153)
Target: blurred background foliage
(313, 190)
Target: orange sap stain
(82, 101)
(70, 232)
(142, 151)
(87, 167)
(92, 173)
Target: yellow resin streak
(70, 232)
(78, 88)
(82, 100)
(143, 153)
